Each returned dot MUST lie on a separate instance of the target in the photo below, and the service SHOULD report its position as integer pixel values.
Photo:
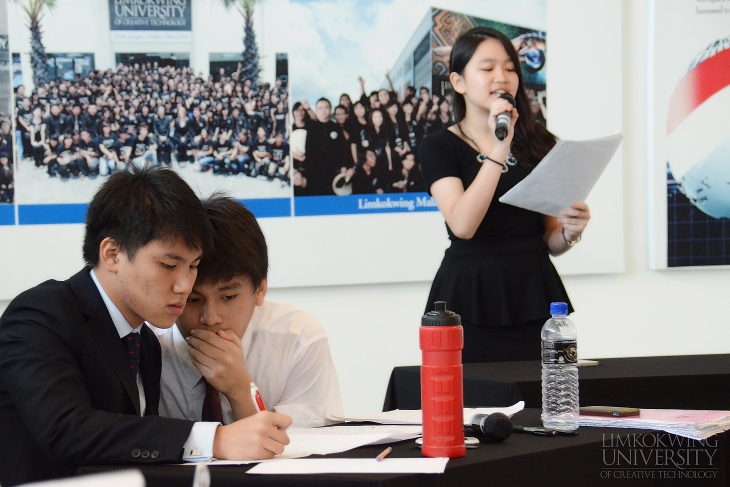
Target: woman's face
(377, 118)
(489, 73)
(407, 108)
(359, 110)
(345, 101)
(383, 97)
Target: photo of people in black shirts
(369, 146)
(90, 127)
(7, 189)
(7, 143)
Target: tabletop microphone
(491, 427)
(504, 118)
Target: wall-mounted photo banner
(83, 115)
(357, 152)
(150, 14)
(691, 141)
(221, 121)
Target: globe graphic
(698, 131)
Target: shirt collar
(182, 352)
(122, 325)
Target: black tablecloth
(589, 459)
(677, 382)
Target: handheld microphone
(504, 118)
(491, 427)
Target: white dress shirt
(286, 352)
(199, 445)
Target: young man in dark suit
(80, 375)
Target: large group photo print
(149, 87)
(370, 82)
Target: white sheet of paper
(310, 443)
(470, 412)
(396, 416)
(565, 175)
(415, 416)
(352, 465)
(125, 478)
(317, 444)
(393, 432)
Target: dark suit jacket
(67, 394)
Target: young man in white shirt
(229, 336)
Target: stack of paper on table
(415, 416)
(694, 424)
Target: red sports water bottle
(442, 383)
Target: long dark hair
(531, 140)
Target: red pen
(256, 398)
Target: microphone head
(492, 427)
(509, 98)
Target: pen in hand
(258, 402)
(384, 454)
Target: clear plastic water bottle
(559, 370)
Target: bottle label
(559, 352)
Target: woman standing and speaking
(497, 273)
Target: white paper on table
(223, 462)
(302, 445)
(415, 416)
(470, 412)
(352, 465)
(393, 432)
(396, 416)
(318, 444)
(247, 462)
(125, 478)
(565, 175)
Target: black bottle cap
(440, 316)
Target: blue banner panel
(49, 214)
(7, 214)
(76, 213)
(149, 14)
(363, 204)
(268, 207)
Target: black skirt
(507, 281)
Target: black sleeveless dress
(502, 280)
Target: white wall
(640, 312)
